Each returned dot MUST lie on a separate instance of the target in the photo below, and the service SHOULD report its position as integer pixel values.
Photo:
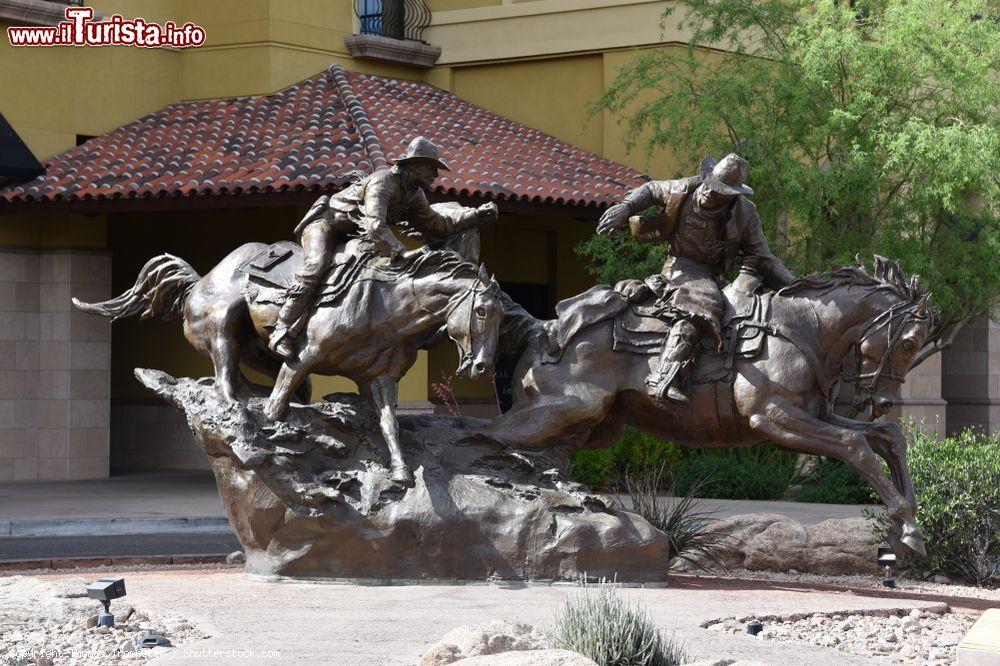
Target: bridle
(894, 320)
(478, 286)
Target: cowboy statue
(707, 221)
(388, 197)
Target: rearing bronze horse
(782, 396)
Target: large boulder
(312, 496)
(484, 639)
(772, 542)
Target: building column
(971, 378)
(55, 365)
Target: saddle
(642, 327)
(271, 271)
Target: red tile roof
(309, 136)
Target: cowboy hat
(727, 175)
(421, 149)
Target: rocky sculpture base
(311, 497)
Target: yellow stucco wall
(550, 95)
(491, 56)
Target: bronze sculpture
(372, 205)
(310, 495)
(773, 381)
(707, 222)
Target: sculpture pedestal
(311, 497)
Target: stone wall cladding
(970, 380)
(54, 365)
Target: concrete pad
(389, 625)
(146, 495)
(981, 646)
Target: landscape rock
(873, 633)
(484, 639)
(529, 658)
(312, 496)
(772, 542)
(236, 557)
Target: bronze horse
(783, 396)
(370, 334)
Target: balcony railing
(396, 19)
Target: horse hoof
(915, 541)
(402, 475)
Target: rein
(453, 304)
(905, 314)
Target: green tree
(870, 127)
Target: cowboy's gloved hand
(614, 218)
(487, 213)
(633, 290)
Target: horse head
(891, 339)
(473, 324)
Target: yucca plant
(689, 529)
(613, 631)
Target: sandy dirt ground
(249, 621)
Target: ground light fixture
(886, 558)
(754, 627)
(104, 590)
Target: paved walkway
(183, 502)
(389, 625)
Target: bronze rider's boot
(676, 359)
(285, 333)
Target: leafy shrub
(958, 492)
(689, 529)
(600, 624)
(634, 452)
(760, 472)
(831, 481)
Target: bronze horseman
(372, 205)
(707, 221)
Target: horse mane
(887, 275)
(443, 264)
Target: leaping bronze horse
(370, 335)
(782, 396)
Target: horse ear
(921, 310)
(483, 275)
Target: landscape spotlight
(887, 559)
(104, 590)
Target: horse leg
(538, 421)
(793, 428)
(291, 375)
(256, 357)
(888, 441)
(383, 393)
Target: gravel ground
(917, 637)
(873, 582)
(44, 622)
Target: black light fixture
(104, 590)
(754, 627)
(886, 558)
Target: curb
(112, 526)
(92, 562)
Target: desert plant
(689, 529)
(759, 472)
(613, 631)
(957, 480)
(635, 451)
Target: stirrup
(281, 344)
(662, 390)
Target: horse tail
(160, 291)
